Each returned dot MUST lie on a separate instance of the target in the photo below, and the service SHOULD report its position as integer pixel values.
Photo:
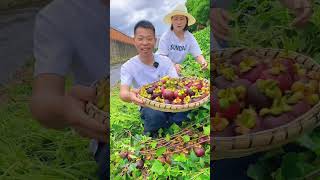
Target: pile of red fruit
(176, 91)
(254, 93)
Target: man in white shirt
(146, 68)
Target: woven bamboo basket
(93, 111)
(172, 107)
(244, 145)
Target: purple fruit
(199, 151)
(241, 82)
(227, 132)
(253, 74)
(168, 94)
(150, 90)
(257, 98)
(270, 122)
(299, 109)
(221, 83)
(167, 101)
(139, 164)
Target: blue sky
(124, 15)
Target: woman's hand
(178, 68)
(219, 23)
(204, 65)
(301, 8)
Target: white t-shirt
(170, 45)
(134, 72)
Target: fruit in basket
(253, 94)
(176, 91)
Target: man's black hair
(185, 28)
(144, 24)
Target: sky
(124, 15)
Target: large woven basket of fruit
(98, 108)
(175, 94)
(263, 98)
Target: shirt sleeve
(52, 49)
(163, 47)
(125, 76)
(194, 47)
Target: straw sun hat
(180, 9)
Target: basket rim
(306, 116)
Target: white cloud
(125, 15)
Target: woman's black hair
(185, 28)
(144, 24)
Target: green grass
(29, 151)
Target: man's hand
(219, 23)
(301, 8)
(53, 108)
(75, 115)
(128, 95)
(134, 99)
(178, 68)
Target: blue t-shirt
(71, 36)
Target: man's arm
(53, 108)
(47, 100)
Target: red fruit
(221, 83)
(284, 79)
(299, 109)
(270, 122)
(231, 112)
(168, 94)
(198, 86)
(163, 87)
(254, 73)
(257, 98)
(176, 93)
(289, 64)
(139, 164)
(199, 151)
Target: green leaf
(160, 151)
(168, 137)
(206, 130)
(186, 138)
(290, 167)
(157, 167)
(153, 144)
(180, 158)
(175, 128)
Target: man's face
(144, 40)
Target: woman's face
(179, 22)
